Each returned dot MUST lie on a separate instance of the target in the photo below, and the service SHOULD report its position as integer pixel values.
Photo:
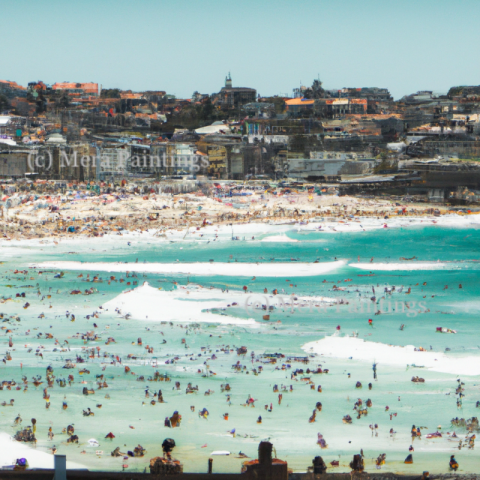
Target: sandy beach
(50, 216)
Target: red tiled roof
(299, 101)
(87, 87)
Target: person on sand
(453, 463)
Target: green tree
(4, 103)
(110, 93)
(207, 110)
(41, 104)
(455, 91)
(279, 103)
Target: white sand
(10, 450)
(404, 266)
(233, 269)
(382, 354)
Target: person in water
(453, 463)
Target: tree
(279, 103)
(41, 103)
(110, 93)
(207, 109)
(315, 91)
(4, 103)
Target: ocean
(435, 287)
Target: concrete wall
(305, 167)
(13, 164)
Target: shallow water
(287, 426)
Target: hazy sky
(185, 45)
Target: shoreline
(63, 216)
(264, 229)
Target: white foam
(404, 266)
(185, 304)
(383, 354)
(193, 303)
(280, 239)
(11, 450)
(233, 269)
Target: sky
(182, 46)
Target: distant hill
(463, 90)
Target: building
(77, 163)
(141, 163)
(112, 162)
(12, 89)
(14, 163)
(245, 161)
(299, 107)
(369, 93)
(325, 107)
(175, 158)
(338, 107)
(23, 107)
(233, 97)
(325, 166)
(216, 155)
(77, 88)
(424, 96)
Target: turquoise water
(287, 424)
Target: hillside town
(423, 147)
